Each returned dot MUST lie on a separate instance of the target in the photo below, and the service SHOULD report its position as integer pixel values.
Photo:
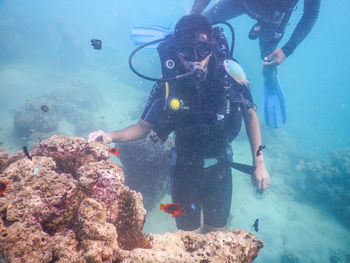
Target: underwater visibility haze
(54, 80)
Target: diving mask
(194, 50)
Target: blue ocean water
(46, 47)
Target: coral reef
(339, 256)
(77, 93)
(33, 119)
(221, 246)
(70, 103)
(69, 203)
(68, 192)
(3, 159)
(328, 182)
(145, 159)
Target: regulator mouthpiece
(198, 72)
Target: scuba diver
(201, 98)
(272, 18)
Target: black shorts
(196, 188)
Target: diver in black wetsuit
(272, 17)
(205, 112)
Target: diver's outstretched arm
(260, 177)
(136, 131)
(199, 6)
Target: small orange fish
(114, 151)
(3, 186)
(105, 256)
(174, 209)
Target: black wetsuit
(269, 13)
(203, 128)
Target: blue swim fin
(141, 34)
(274, 106)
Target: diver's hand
(260, 178)
(275, 58)
(100, 135)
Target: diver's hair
(191, 26)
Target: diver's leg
(273, 102)
(185, 184)
(207, 229)
(217, 198)
(224, 10)
(268, 44)
(197, 231)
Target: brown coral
(89, 215)
(41, 195)
(182, 246)
(130, 234)
(70, 153)
(145, 159)
(3, 159)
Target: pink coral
(77, 209)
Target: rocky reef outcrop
(214, 247)
(3, 159)
(67, 202)
(42, 116)
(327, 182)
(147, 161)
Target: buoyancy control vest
(208, 118)
(204, 119)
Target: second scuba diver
(272, 18)
(203, 104)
